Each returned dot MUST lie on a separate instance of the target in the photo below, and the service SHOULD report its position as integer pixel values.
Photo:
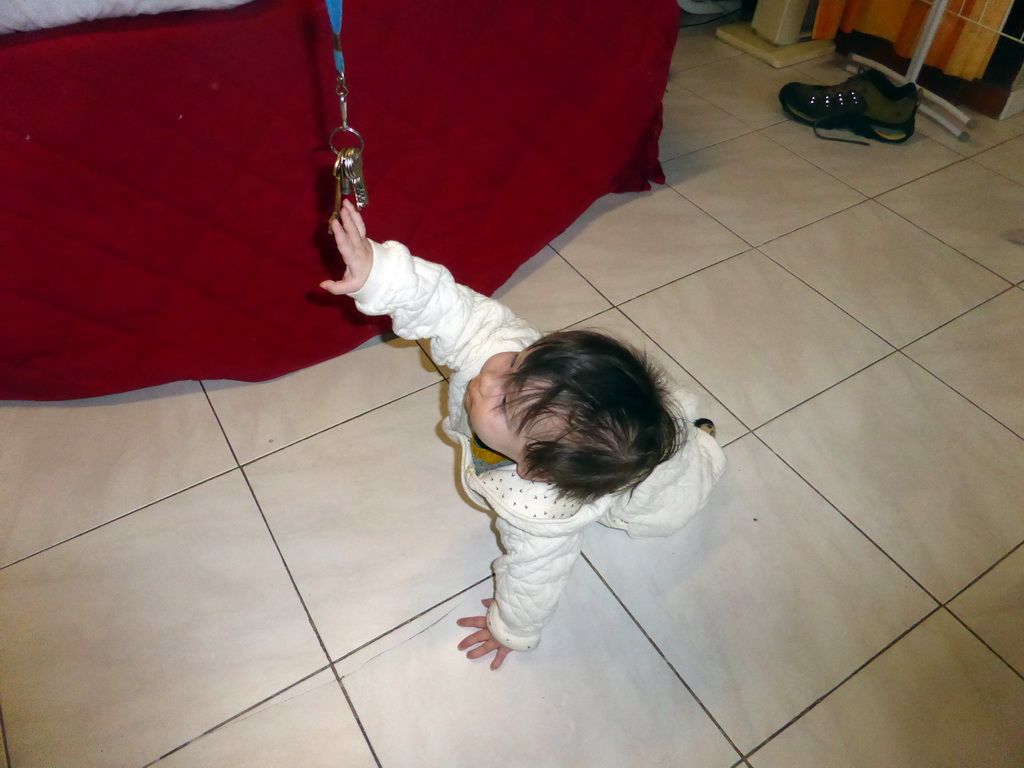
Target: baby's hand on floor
(483, 640)
(355, 249)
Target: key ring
(345, 129)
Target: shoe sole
(889, 134)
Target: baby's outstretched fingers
(483, 640)
(349, 213)
(356, 251)
(483, 636)
(341, 235)
(477, 622)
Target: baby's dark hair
(613, 422)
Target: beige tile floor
(219, 575)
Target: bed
(165, 180)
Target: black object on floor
(868, 104)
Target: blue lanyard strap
(334, 11)
(348, 167)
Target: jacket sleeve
(425, 302)
(528, 581)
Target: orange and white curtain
(963, 44)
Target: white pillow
(24, 15)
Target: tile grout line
(974, 581)
(966, 312)
(761, 132)
(309, 616)
(331, 665)
(843, 682)
(588, 318)
(711, 216)
(239, 466)
(661, 653)
(984, 573)
(340, 678)
(749, 245)
(586, 280)
(853, 317)
(994, 170)
(618, 309)
(359, 722)
(846, 312)
(287, 568)
(122, 516)
(250, 462)
(893, 349)
(830, 387)
(955, 391)
(3, 736)
(980, 639)
(220, 425)
(237, 716)
(959, 158)
(932, 234)
(940, 604)
(749, 130)
(598, 291)
(148, 504)
(854, 525)
(802, 227)
(408, 621)
(614, 305)
(674, 280)
(880, 549)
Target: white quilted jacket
(540, 535)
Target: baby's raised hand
(355, 249)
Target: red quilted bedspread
(165, 181)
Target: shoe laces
(818, 124)
(842, 95)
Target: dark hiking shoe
(868, 104)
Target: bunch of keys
(348, 167)
(348, 177)
(348, 170)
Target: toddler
(554, 432)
